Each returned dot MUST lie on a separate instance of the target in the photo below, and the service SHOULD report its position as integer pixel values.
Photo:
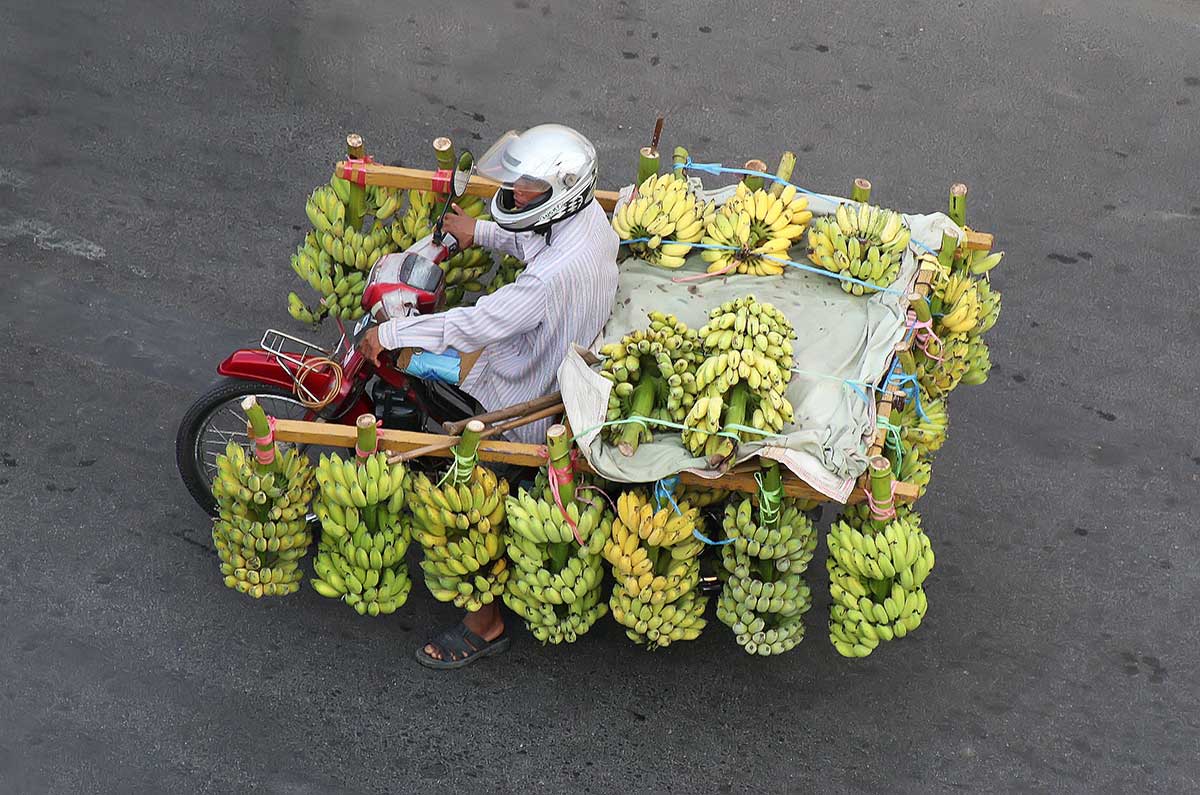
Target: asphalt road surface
(154, 166)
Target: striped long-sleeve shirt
(564, 296)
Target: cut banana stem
(946, 253)
(559, 446)
(468, 444)
(443, 150)
(958, 204)
(357, 207)
(368, 434)
(753, 181)
(734, 415)
(861, 191)
(641, 404)
(787, 164)
(259, 428)
(881, 484)
(679, 156)
(773, 485)
(920, 306)
(647, 164)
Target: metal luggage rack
(298, 363)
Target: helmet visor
(499, 164)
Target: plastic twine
(769, 501)
(893, 441)
(462, 467)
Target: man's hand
(370, 347)
(461, 225)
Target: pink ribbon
(699, 277)
(354, 170)
(923, 334)
(561, 477)
(879, 512)
(264, 447)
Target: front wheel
(215, 419)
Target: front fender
(255, 364)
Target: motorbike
(296, 379)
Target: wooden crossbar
(741, 478)
(420, 179)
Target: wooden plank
(980, 241)
(420, 179)
(533, 455)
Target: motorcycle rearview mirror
(463, 172)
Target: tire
(200, 437)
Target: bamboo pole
(518, 410)
(358, 194)
(861, 190)
(443, 152)
(258, 428)
(787, 164)
(958, 204)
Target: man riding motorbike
(546, 215)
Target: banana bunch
(866, 243)
(423, 205)
(341, 289)
(755, 223)
(976, 262)
(989, 303)
(506, 273)
(664, 207)
(556, 582)
(327, 210)
(364, 534)
(655, 560)
(941, 366)
(386, 201)
(875, 581)
(653, 375)
(955, 305)
(698, 496)
(915, 467)
(459, 526)
(261, 529)
(979, 362)
(765, 597)
(334, 257)
(743, 377)
(924, 430)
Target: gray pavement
(154, 165)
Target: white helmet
(549, 159)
